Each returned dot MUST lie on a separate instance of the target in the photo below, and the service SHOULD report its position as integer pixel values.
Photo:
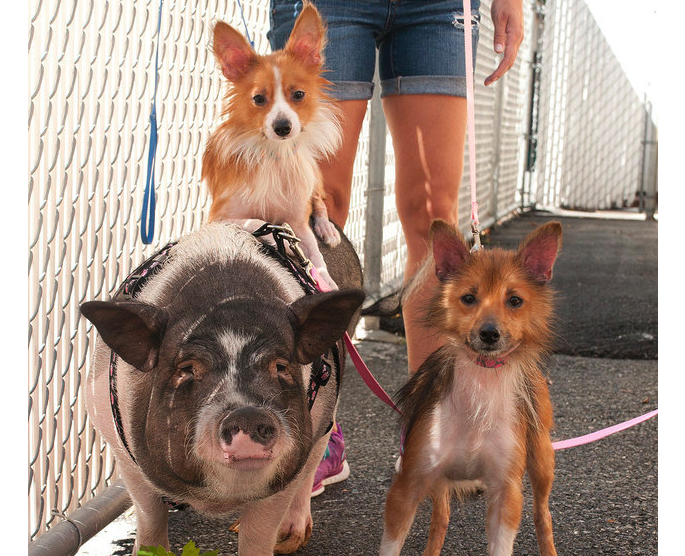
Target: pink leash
(359, 364)
(471, 122)
(594, 436)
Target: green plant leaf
(188, 550)
(153, 551)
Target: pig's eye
(279, 370)
(184, 373)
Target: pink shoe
(333, 467)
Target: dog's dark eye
(514, 301)
(298, 95)
(468, 299)
(259, 100)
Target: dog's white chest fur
(473, 429)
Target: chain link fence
(91, 80)
(592, 122)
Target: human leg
(337, 171)
(428, 133)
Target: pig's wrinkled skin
(214, 361)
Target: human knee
(419, 210)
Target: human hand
(507, 15)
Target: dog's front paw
(326, 231)
(294, 534)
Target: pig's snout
(247, 436)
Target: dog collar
(493, 362)
(489, 363)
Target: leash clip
(285, 232)
(476, 237)
(288, 234)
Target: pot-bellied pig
(207, 381)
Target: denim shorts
(420, 44)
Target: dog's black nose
(489, 334)
(282, 128)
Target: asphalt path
(605, 495)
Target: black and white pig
(212, 364)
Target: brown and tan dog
(478, 410)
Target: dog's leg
(296, 527)
(505, 505)
(541, 473)
(440, 519)
(323, 227)
(404, 497)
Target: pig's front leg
(296, 527)
(259, 523)
(152, 515)
(284, 517)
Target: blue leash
(247, 31)
(147, 218)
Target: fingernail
(499, 48)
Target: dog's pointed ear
(538, 251)
(308, 37)
(234, 54)
(449, 249)
(131, 329)
(319, 320)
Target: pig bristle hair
(215, 242)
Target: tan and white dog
(262, 161)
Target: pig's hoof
(294, 540)
(234, 527)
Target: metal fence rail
(91, 75)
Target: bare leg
(428, 133)
(337, 171)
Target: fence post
(373, 237)
(497, 145)
(648, 179)
(533, 104)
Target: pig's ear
(538, 251)
(131, 329)
(319, 320)
(449, 249)
(233, 52)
